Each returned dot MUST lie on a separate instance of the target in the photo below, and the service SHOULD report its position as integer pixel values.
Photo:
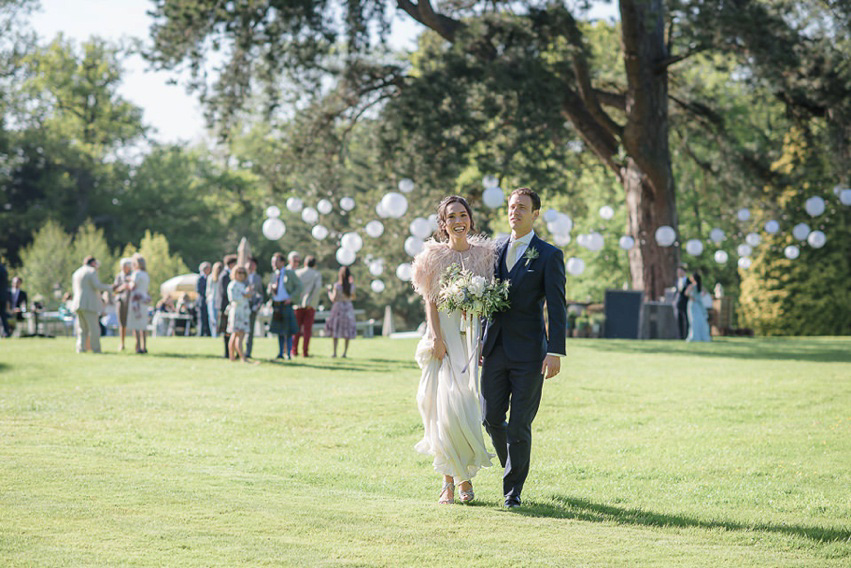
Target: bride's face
(457, 220)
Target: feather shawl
(436, 257)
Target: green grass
(735, 453)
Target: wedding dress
(448, 394)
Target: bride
(448, 396)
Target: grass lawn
(736, 453)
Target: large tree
(624, 121)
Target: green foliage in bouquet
(464, 291)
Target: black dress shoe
(512, 502)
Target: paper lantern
(816, 239)
(351, 241)
(347, 204)
(561, 240)
(406, 185)
(626, 242)
(381, 211)
(771, 227)
(493, 197)
(814, 206)
(345, 256)
(319, 232)
(744, 250)
(694, 247)
(743, 214)
(550, 215)
(845, 197)
(744, 263)
(395, 204)
(420, 228)
(562, 224)
(490, 181)
(717, 235)
(792, 252)
(800, 231)
(274, 228)
(606, 212)
(324, 206)
(376, 267)
(273, 211)
(665, 236)
(404, 271)
(432, 222)
(309, 215)
(413, 246)
(753, 239)
(720, 256)
(377, 286)
(375, 229)
(575, 266)
(294, 204)
(595, 241)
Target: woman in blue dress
(698, 318)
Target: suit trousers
(518, 386)
(305, 318)
(249, 343)
(88, 325)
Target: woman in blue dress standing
(698, 318)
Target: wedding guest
(87, 304)
(214, 300)
(122, 297)
(255, 281)
(305, 312)
(681, 301)
(224, 281)
(341, 323)
(203, 314)
(4, 301)
(698, 318)
(284, 287)
(239, 312)
(109, 319)
(137, 312)
(17, 304)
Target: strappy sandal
(468, 495)
(447, 493)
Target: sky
(174, 114)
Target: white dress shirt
(520, 248)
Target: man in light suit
(305, 312)
(519, 350)
(87, 303)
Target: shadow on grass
(324, 363)
(780, 349)
(584, 510)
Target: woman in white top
(214, 301)
(137, 311)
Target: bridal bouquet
(464, 291)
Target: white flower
(477, 286)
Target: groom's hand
(551, 367)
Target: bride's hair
(442, 233)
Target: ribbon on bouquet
(474, 353)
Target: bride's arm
(433, 320)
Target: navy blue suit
(201, 306)
(514, 347)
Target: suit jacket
(292, 283)
(19, 302)
(224, 280)
(87, 288)
(521, 326)
(256, 299)
(201, 286)
(311, 279)
(681, 300)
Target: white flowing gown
(448, 394)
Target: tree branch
(665, 63)
(424, 13)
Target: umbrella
(243, 252)
(177, 286)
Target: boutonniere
(530, 255)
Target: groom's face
(520, 214)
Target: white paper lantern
(550, 215)
(395, 204)
(406, 185)
(743, 214)
(562, 224)
(800, 231)
(376, 267)
(273, 211)
(351, 241)
(489, 181)
(319, 232)
(324, 206)
(309, 215)
(626, 242)
(814, 206)
(561, 240)
(294, 204)
(493, 197)
(721, 256)
(717, 235)
(753, 239)
(744, 263)
(595, 241)
(381, 211)
(575, 266)
(665, 236)
(606, 212)
(345, 256)
(377, 286)
(845, 197)
(771, 227)
(420, 228)
(792, 252)
(744, 250)
(694, 247)
(404, 271)
(432, 222)
(375, 229)
(347, 204)
(413, 246)
(583, 240)
(816, 239)
(274, 228)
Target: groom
(518, 350)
